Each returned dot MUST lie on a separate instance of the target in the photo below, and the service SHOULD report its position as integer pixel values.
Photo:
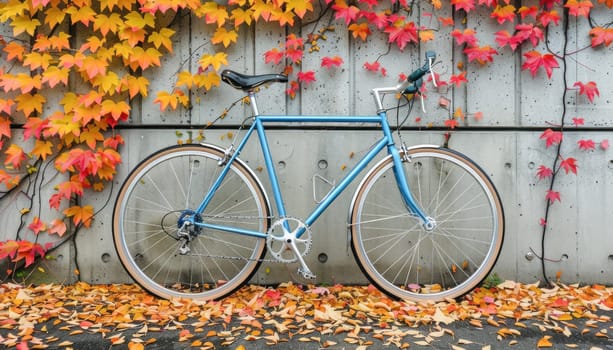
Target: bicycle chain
(276, 261)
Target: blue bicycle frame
(386, 141)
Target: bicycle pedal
(306, 274)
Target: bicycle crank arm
(303, 270)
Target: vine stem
(548, 202)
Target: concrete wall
(505, 142)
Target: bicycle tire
(146, 215)
(399, 255)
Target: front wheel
(156, 199)
(405, 259)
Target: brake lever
(431, 57)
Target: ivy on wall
(93, 55)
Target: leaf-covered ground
(306, 317)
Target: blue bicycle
(426, 223)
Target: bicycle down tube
(258, 125)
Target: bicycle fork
(428, 223)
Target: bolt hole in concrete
(322, 258)
(106, 257)
(323, 164)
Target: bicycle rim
(169, 184)
(403, 258)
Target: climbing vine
(71, 71)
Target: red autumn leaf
(482, 54)
(55, 200)
(28, 251)
(542, 222)
(467, 36)
(458, 79)
(579, 8)
(451, 123)
(373, 67)
(529, 31)
(329, 62)
(543, 172)
(345, 12)
(551, 137)
(504, 13)
(553, 196)
(113, 141)
(578, 121)
(547, 17)
(274, 55)
(589, 89)
(466, 5)
(535, 60)
(569, 165)
(402, 34)
(503, 38)
(306, 77)
(525, 11)
(604, 145)
(37, 225)
(601, 36)
(292, 89)
(488, 3)
(586, 145)
(8, 248)
(377, 19)
(295, 55)
(446, 21)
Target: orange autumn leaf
(57, 227)
(360, 30)
(14, 156)
(5, 127)
(80, 215)
(14, 50)
(544, 342)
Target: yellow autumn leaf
(207, 80)
(222, 35)
(136, 21)
(55, 75)
(215, 61)
(28, 103)
(213, 13)
(23, 24)
(162, 38)
(42, 149)
(241, 16)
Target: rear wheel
(157, 197)
(405, 259)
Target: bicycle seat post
(253, 103)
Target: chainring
(279, 236)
